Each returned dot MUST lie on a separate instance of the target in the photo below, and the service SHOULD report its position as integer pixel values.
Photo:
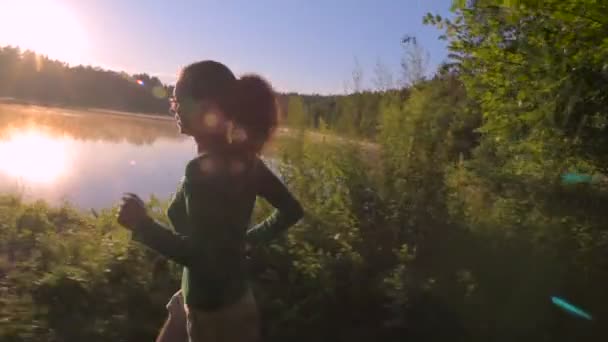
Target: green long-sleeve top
(210, 214)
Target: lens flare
(569, 308)
(237, 166)
(207, 165)
(210, 120)
(239, 135)
(140, 82)
(159, 92)
(574, 178)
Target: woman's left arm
(288, 209)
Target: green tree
(297, 117)
(32, 77)
(534, 71)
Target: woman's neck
(201, 149)
(208, 145)
(200, 145)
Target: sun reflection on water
(33, 156)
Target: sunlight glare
(47, 27)
(33, 156)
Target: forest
(31, 78)
(463, 227)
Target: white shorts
(176, 307)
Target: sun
(33, 156)
(47, 27)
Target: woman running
(230, 120)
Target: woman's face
(195, 118)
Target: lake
(88, 158)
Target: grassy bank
(378, 256)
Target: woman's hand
(132, 211)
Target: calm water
(88, 159)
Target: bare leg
(174, 329)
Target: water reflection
(34, 156)
(86, 158)
(86, 125)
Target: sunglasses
(187, 106)
(184, 107)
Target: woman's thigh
(175, 328)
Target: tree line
(27, 76)
(34, 78)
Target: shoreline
(93, 110)
(281, 130)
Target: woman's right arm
(173, 244)
(165, 241)
(198, 207)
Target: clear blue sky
(299, 45)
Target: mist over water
(88, 159)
